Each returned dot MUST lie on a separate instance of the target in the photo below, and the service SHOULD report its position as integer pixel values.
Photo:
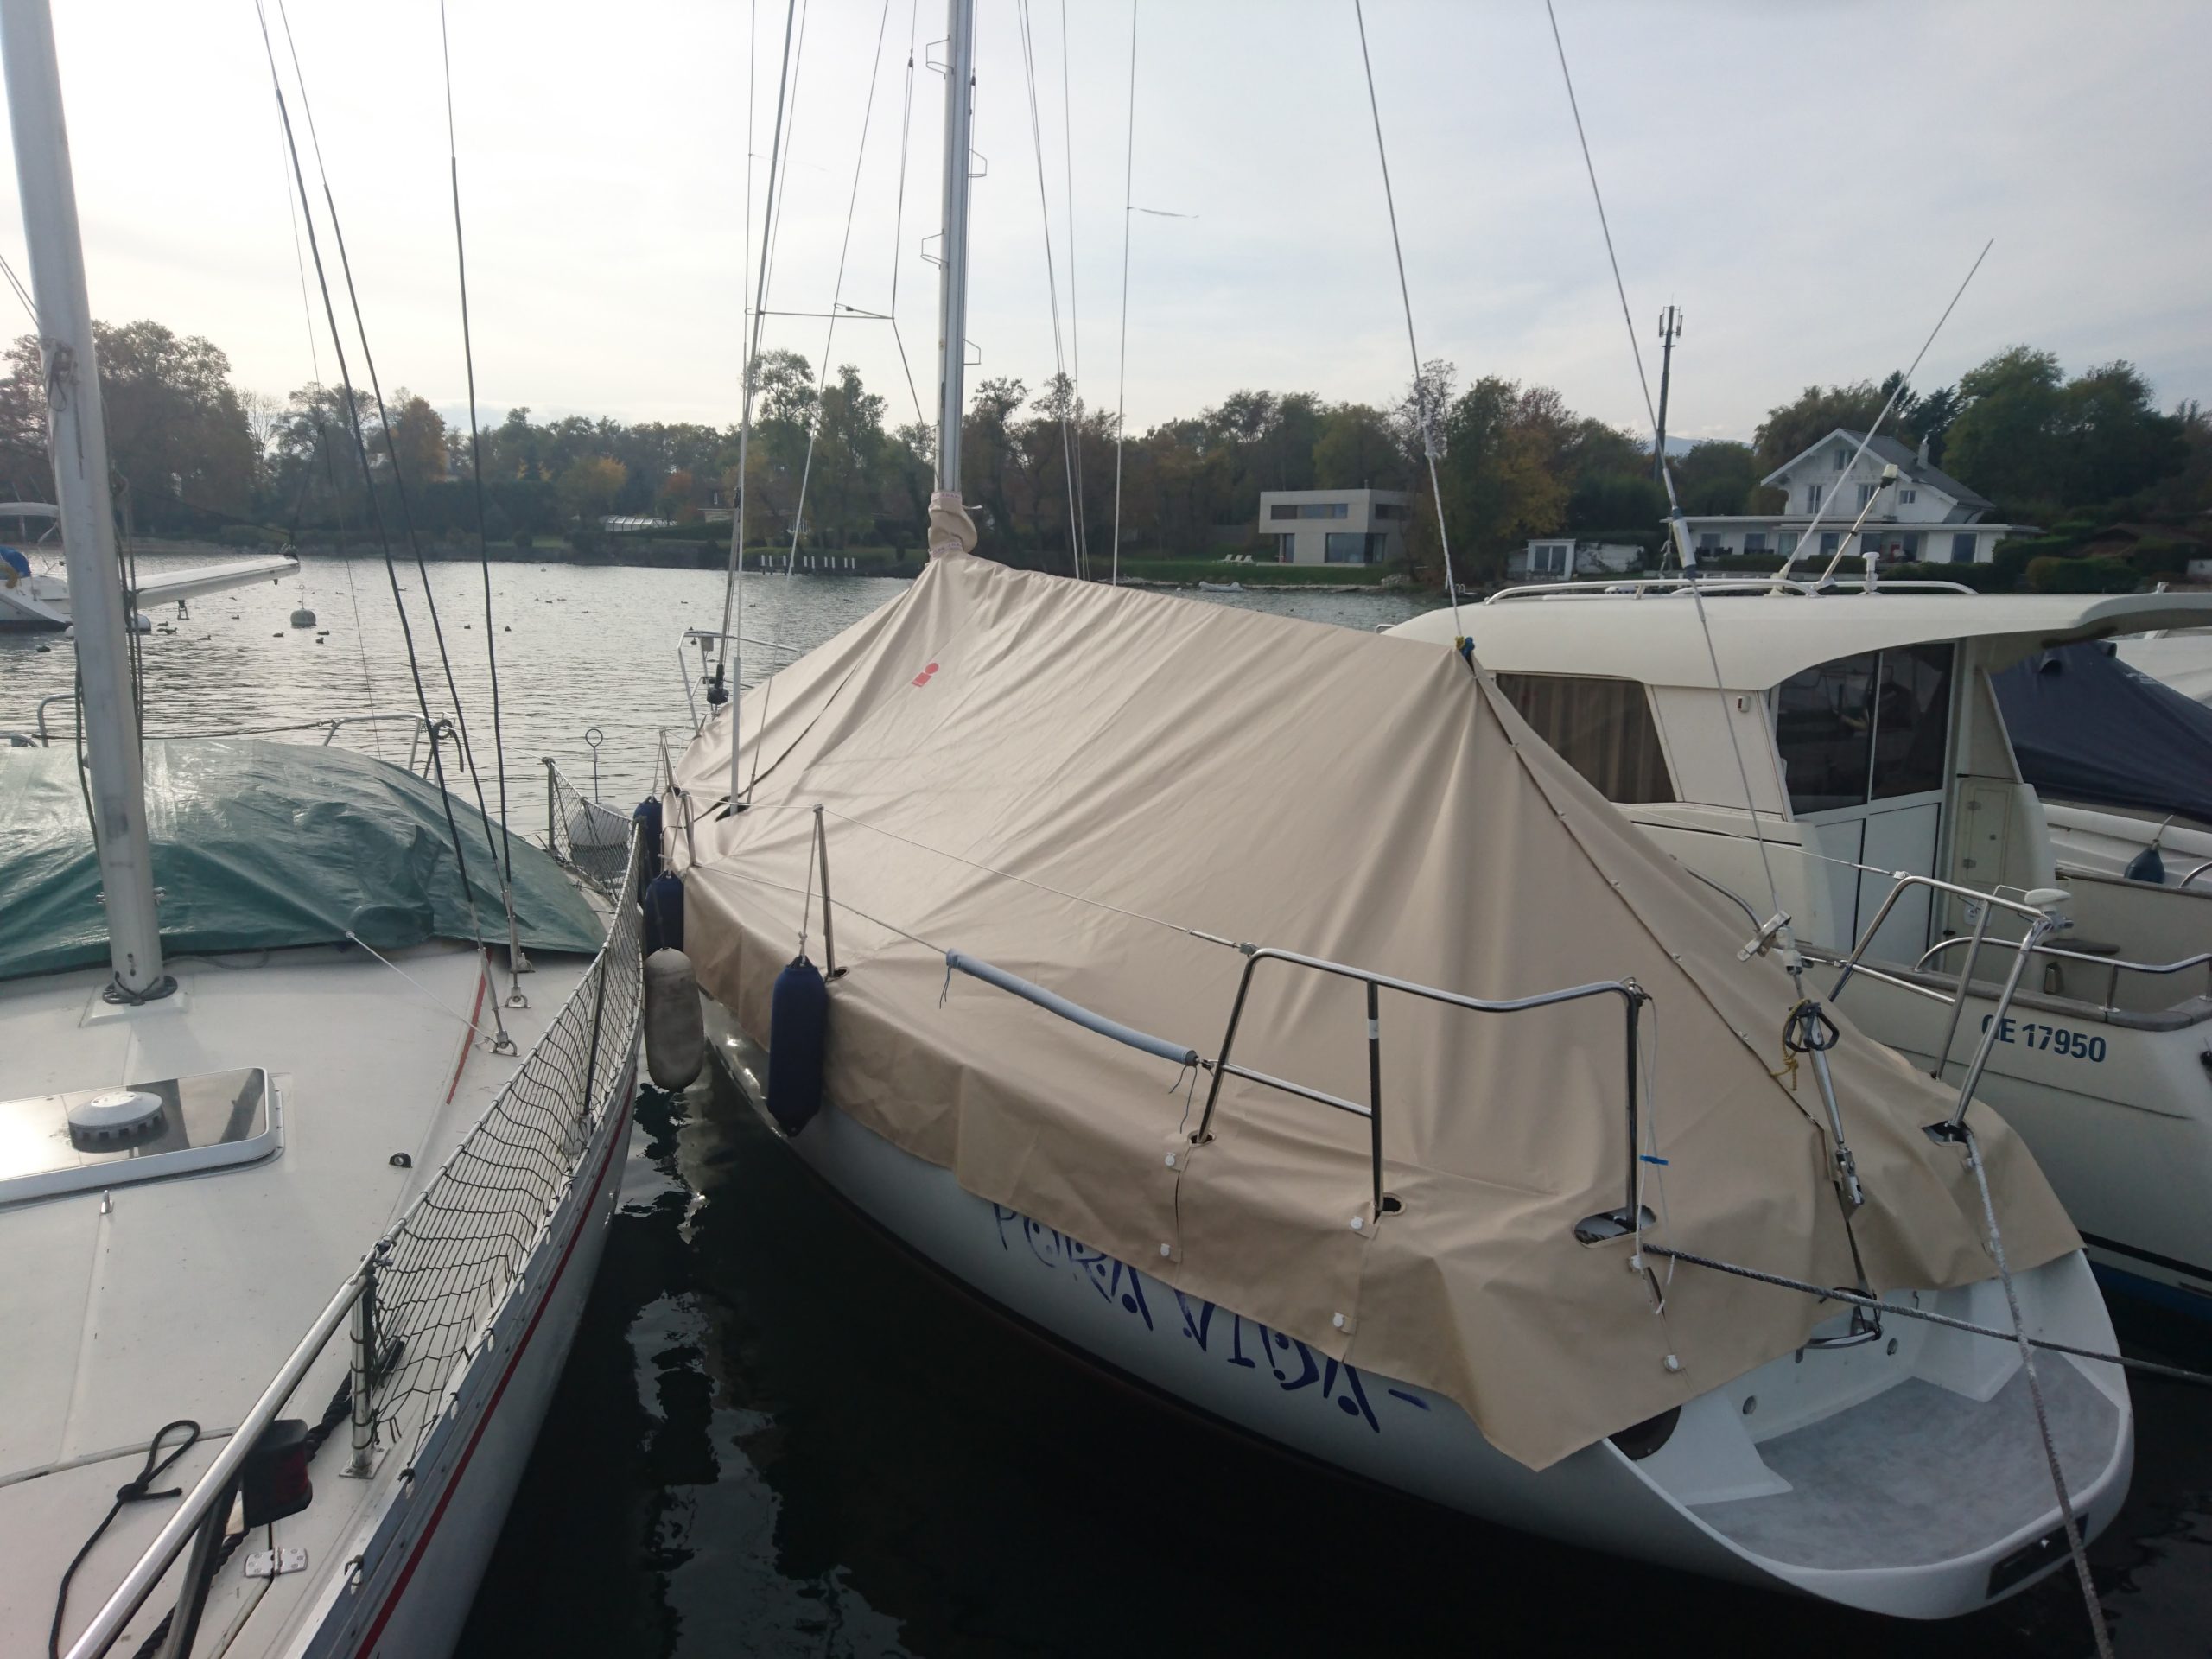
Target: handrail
(1637, 587)
(2199, 960)
(1632, 995)
(137, 1583)
(209, 1499)
(2194, 874)
(1900, 880)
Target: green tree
(2005, 440)
(1716, 477)
(1357, 448)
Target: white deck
(126, 1308)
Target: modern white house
(1924, 514)
(1335, 526)
(1562, 558)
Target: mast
(952, 281)
(78, 441)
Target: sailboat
(1251, 1009)
(37, 601)
(299, 1208)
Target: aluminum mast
(952, 282)
(78, 441)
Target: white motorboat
(1243, 1004)
(1885, 797)
(299, 1208)
(35, 600)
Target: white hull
(2103, 1106)
(422, 1555)
(1269, 1385)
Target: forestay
(1146, 765)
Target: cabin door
(1864, 742)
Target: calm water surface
(778, 1436)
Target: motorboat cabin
(1849, 747)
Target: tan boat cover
(1145, 764)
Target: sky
(1808, 180)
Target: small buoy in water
(279, 634)
(676, 1026)
(798, 1017)
(303, 618)
(321, 640)
(664, 908)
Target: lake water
(778, 1436)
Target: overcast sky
(1808, 181)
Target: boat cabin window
(1602, 727)
(1867, 727)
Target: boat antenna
(505, 870)
(77, 440)
(1895, 392)
(951, 531)
(1421, 394)
(1128, 218)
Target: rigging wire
(1121, 385)
(837, 290)
(1405, 293)
(1679, 531)
(21, 293)
(476, 477)
(898, 212)
(734, 587)
(322, 445)
(1064, 385)
(733, 581)
(362, 446)
(414, 540)
(1075, 326)
(1895, 392)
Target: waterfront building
(1562, 558)
(1335, 526)
(1923, 514)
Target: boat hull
(422, 1557)
(1268, 1383)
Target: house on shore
(1335, 526)
(1922, 514)
(1562, 558)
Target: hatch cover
(213, 1121)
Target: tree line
(194, 454)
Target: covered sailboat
(1121, 798)
(1260, 1010)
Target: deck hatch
(211, 1120)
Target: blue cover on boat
(2088, 727)
(260, 845)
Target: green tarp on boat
(260, 846)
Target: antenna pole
(1670, 330)
(78, 441)
(952, 282)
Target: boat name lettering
(2059, 1039)
(1246, 1343)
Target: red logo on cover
(923, 678)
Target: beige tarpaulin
(1146, 765)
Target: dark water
(777, 1435)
